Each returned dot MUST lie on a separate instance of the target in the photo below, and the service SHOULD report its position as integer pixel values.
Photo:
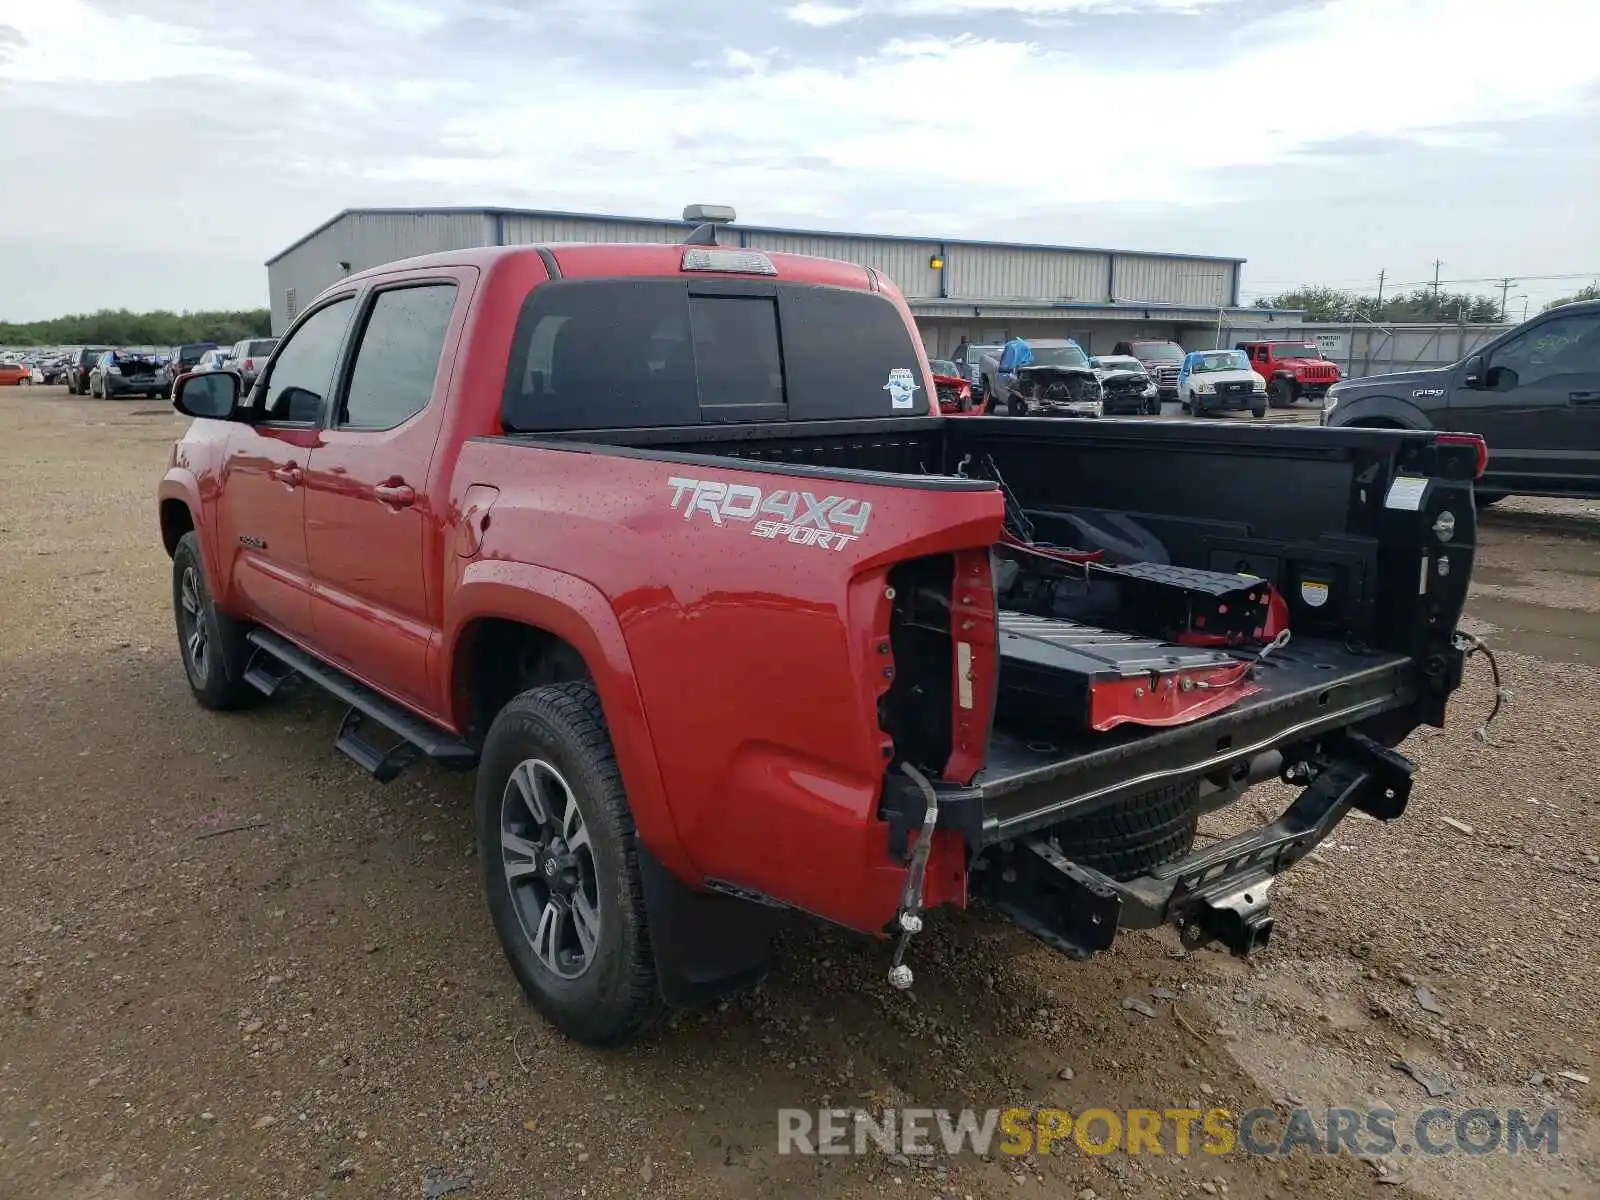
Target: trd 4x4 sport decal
(832, 522)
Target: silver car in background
(249, 357)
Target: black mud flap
(1218, 894)
(706, 944)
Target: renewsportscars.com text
(1364, 1132)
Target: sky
(157, 152)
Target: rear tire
(215, 652)
(576, 934)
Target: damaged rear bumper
(1218, 894)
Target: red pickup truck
(671, 545)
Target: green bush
(119, 327)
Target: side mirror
(211, 394)
(1472, 374)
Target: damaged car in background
(954, 393)
(1059, 382)
(1125, 385)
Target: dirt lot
(314, 1004)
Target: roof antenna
(708, 218)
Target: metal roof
(1153, 310)
(686, 225)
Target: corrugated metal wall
(366, 240)
(526, 230)
(972, 272)
(1142, 277)
(1005, 273)
(904, 262)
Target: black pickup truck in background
(1533, 394)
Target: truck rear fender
(578, 614)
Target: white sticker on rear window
(902, 388)
(1405, 493)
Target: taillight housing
(974, 655)
(249, 364)
(1480, 447)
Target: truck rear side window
(615, 353)
(398, 359)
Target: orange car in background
(14, 373)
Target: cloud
(1044, 8)
(821, 15)
(965, 117)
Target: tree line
(120, 327)
(1590, 291)
(1420, 304)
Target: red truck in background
(672, 546)
(1292, 370)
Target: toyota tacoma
(671, 546)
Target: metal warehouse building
(981, 291)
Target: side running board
(275, 661)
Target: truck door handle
(1583, 397)
(288, 474)
(396, 495)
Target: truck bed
(1304, 508)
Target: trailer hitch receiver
(1240, 920)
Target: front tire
(1258, 411)
(1280, 393)
(215, 652)
(556, 840)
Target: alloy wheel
(549, 867)
(196, 640)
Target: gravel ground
(236, 967)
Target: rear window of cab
(620, 353)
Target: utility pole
(1437, 263)
(1505, 286)
(1377, 313)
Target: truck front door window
(1564, 346)
(399, 357)
(303, 373)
